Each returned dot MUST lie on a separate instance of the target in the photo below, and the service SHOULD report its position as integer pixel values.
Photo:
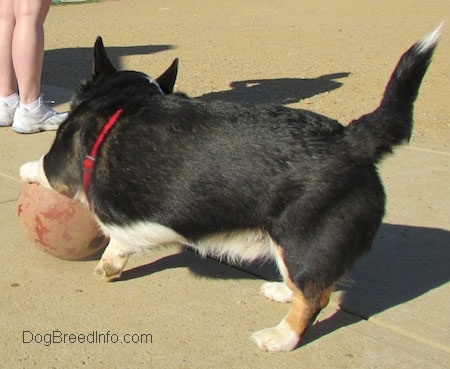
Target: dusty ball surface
(57, 224)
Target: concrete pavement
(185, 312)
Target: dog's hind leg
(315, 248)
(304, 308)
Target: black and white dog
(235, 181)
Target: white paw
(277, 339)
(110, 268)
(29, 171)
(276, 291)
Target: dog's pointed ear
(167, 80)
(102, 64)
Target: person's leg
(8, 84)
(28, 46)
(32, 115)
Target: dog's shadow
(279, 91)
(67, 67)
(404, 263)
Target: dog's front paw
(110, 268)
(277, 339)
(276, 291)
(29, 172)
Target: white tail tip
(430, 40)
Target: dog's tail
(375, 134)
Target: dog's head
(105, 77)
(92, 103)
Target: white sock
(32, 106)
(10, 100)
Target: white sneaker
(7, 113)
(42, 119)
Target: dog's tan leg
(113, 261)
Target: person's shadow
(67, 67)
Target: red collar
(88, 163)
